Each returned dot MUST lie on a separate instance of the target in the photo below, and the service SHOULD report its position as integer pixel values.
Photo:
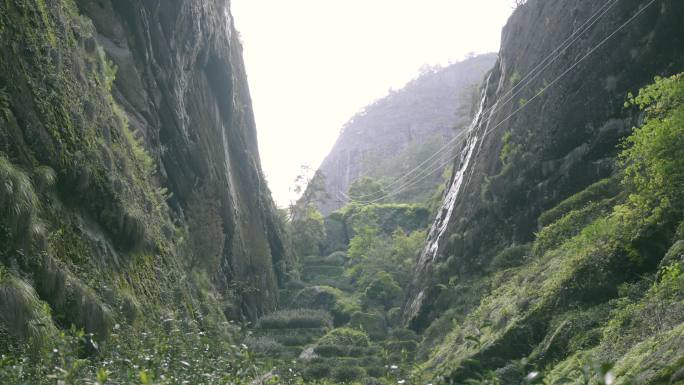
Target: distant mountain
(398, 132)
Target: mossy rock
(373, 324)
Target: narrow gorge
(509, 218)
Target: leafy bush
(307, 231)
(346, 374)
(601, 190)
(297, 318)
(337, 258)
(316, 371)
(264, 345)
(653, 156)
(382, 291)
(18, 203)
(373, 324)
(510, 257)
(332, 350)
(566, 227)
(22, 314)
(345, 336)
(404, 335)
(339, 304)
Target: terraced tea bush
(296, 318)
(346, 374)
(345, 336)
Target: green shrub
(382, 291)
(511, 256)
(401, 346)
(373, 324)
(337, 258)
(345, 336)
(653, 156)
(297, 318)
(601, 190)
(18, 203)
(264, 345)
(316, 371)
(307, 231)
(347, 374)
(332, 350)
(404, 335)
(21, 312)
(394, 316)
(339, 304)
(566, 227)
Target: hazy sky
(312, 64)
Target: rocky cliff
(546, 131)
(133, 185)
(398, 132)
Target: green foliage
(515, 78)
(22, 313)
(205, 227)
(345, 374)
(386, 218)
(307, 231)
(372, 323)
(597, 192)
(167, 355)
(5, 110)
(365, 240)
(366, 189)
(653, 156)
(338, 303)
(316, 371)
(296, 318)
(382, 291)
(512, 256)
(345, 336)
(373, 254)
(566, 227)
(509, 149)
(19, 203)
(579, 303)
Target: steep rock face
(128, 149)
(526, 153)
(182, 82)
(396, 133)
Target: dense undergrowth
(597, 293)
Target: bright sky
(312, 64)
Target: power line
(555, 81)
(534, 73)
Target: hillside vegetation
(402, 130)
(139, 243)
